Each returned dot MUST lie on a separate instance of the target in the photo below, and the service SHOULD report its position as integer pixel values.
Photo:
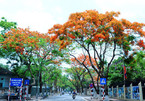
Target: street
(65, 97)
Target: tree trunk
(82, 88)
(40, 81)
(97, 85)
(97, 90)
(45, 89)
(29, 89)
(55, 85)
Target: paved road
(65, 97)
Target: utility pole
(123, 63)
(123, 68)
(124, 73)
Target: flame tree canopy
(31, 49)
(21, 40)
(82, 62)
(96, 33)
(78, 74)
(30, 43)
(83, 59)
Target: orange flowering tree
(99, 35)
(20, 45)
(83, 61)
(21, 42)
(31, 49)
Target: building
(5, 76)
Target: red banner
(125, 75)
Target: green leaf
(61, 37)
(88, 41)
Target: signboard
(16, 81)
(27, 82)
(103, 81)
(91, 85)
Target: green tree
(4, 66)
(78, 78)
(6, 26)
(134, 66)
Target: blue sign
(16, 81)
(91, 85)
(26, 82)
(103, 81)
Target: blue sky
(41, 15)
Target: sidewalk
(34, 99)
(94, 99)
(40, 98)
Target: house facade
(5, 76)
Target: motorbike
(73, 96)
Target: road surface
(65, 97)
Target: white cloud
(122, 4)
(132, 9)
(33, 4)
(1, 1)
(58, 10)
(40, 21)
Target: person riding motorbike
(74, 94)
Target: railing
(131, 92)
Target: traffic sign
(103, 81)
(16, 81)
(91, 85)
(27, 82)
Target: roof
(4, 71)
